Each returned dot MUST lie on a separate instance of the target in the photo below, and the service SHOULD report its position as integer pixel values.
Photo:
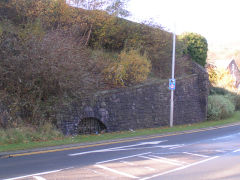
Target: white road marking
(199, 155)
(121, 148)
(169, 153)
(96, 151)
(238, 150)
(180, 168)
(149, 168)
(152, 143)
(128, 163)
(96, 172)
(161, 160)
(117, 172)
(38, 174)
(223, 137)
(172, 160)
(168, 146)
(221, 151)
(122, 158)
(39, 178)
(178, 146)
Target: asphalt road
(212, 154)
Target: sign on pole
(172, 84)
(172, 81)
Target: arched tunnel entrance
(91, 126)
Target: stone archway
(91, 125)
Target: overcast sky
(217, 20)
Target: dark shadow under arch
(91, 126)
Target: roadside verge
(43, 150)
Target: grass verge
(117, 135)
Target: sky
(217, 20)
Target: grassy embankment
(116, 135)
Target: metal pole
(173, 71)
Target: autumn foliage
(221, 78)
(130, 68)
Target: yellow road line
(115, 142)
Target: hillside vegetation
(52, 53)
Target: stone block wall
(142, 106)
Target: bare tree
(113, 7)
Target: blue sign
(172, 84)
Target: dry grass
(27, 134)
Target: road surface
(212, 154)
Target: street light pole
(173, 72)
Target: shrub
(237, 100)
(218, 91)
(233, 97)
(118, 34)
(130, 68)
(219, 107)
(197, 47)
(221, 78)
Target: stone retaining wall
(142, 106)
